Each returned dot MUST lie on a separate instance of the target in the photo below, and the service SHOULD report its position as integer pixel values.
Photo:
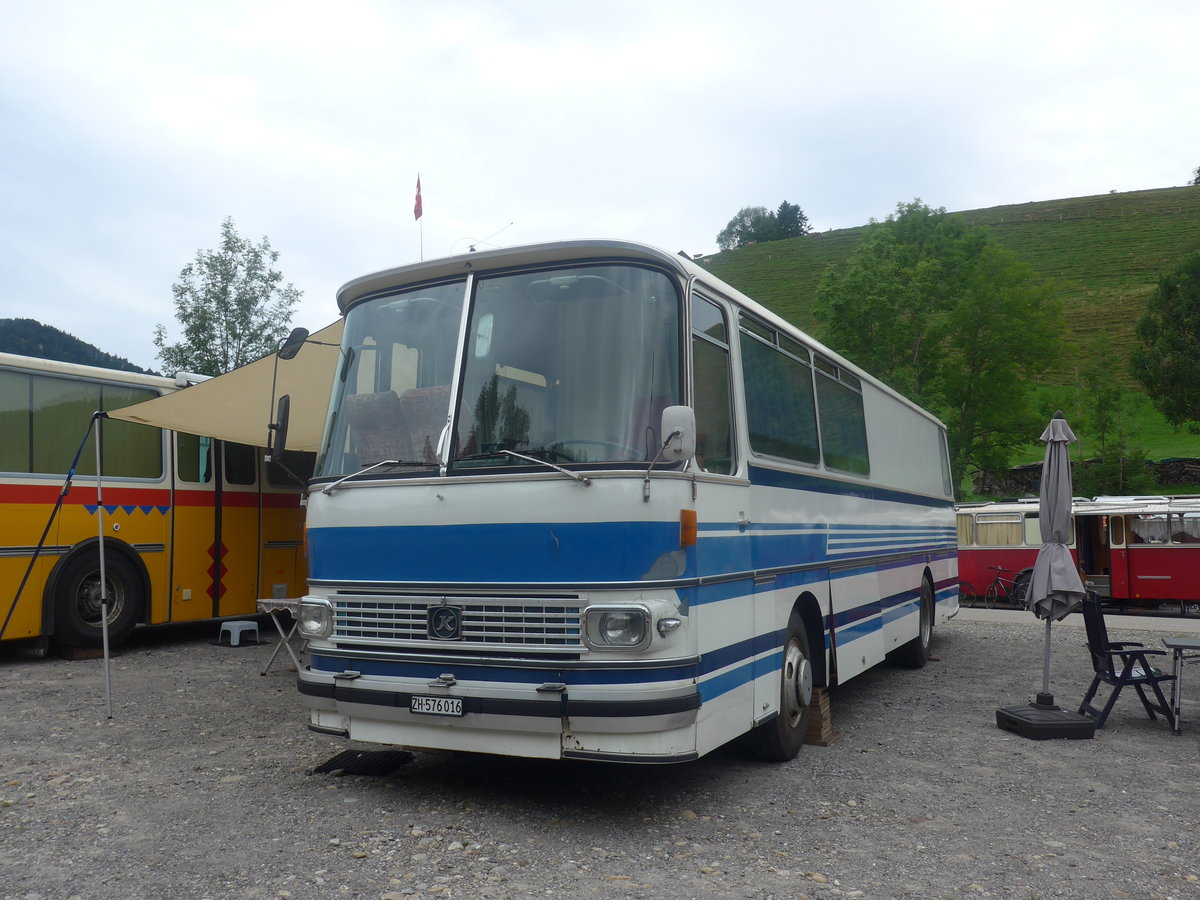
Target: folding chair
(1121, 663)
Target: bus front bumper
(628, 722)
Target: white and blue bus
(584, 500)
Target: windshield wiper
(582, 479)
(330, 488)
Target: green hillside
(1103, 253)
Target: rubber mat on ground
(362, 762)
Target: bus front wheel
(77, 606)
(781, 738)
(915, 653)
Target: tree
(1168, 362)
(950, 319)
(757, 225)
(1195, 177)
(790, 221)
(1102, 411)
(231, 305)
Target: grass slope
(1104, 255)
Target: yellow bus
(194, 528)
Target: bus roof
(92, 373)
(488, 261)
(1103, 505)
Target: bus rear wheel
(77, 606)
(781, 738)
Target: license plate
(436, 706)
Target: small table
(274, 607)
(1178, 647)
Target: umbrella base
(1040, 722)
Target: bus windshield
(392, 391)
(571, 365)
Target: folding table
(274, 607)
(1178, 647)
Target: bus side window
(843, 421)
(241, 464)
(781, 411)
(966, 529)
(711, 393)
(1150, 528)
(1116, 527)
(193, 458)
(1187, 528)
(998, 529)
(15, 423)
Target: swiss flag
(417, 205)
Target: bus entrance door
(1118, 587)
(1094, 554)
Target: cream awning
(236, 406)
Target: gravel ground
(201, 786)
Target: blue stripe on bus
(802, 482)
(735, 678)
(580, 553)
(542, 552)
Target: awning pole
(99, 416)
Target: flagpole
(418, 212)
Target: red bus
(1136, 553)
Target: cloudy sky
(132, 129)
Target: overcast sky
(132, 129)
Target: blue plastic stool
(235, 630)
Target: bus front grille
(530, 622)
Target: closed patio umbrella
(1055, 589)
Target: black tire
(966, 594)
(77, 615)
(781, 738)
(990, 596)
(915, 653)
(1020, 590)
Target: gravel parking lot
(201, 786)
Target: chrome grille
(529, 622)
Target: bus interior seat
(425, 410)
(377, 427)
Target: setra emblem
(444, 623)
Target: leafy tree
(232, 306)
(947, 317)
(1195, 177)
(757, 224)
(1168, 362)
(751, 224)
(1105, 408)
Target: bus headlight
(314, 619)
(616, 627)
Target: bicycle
(1013, 590)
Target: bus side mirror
(679, 433)
(292, 343)
(279, 430)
